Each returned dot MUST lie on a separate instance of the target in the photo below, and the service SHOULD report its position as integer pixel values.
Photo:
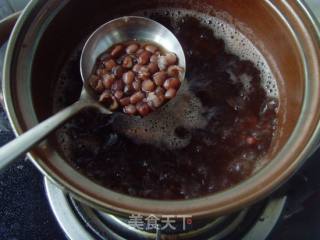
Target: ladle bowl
(115, 31)
(125, 29)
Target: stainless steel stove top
(79, 222)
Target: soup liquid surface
(209, 137)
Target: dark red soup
(208, 138)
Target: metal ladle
(118, 30)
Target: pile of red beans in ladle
(136, 77)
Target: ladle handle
(27, 140)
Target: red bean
(108, 80)
(118, 85)
(109, 64)
(151, 48)
(166, 60)
(124, 101)
(136, 68)
(155, 101)
(93, 81)
(144, 57)
(162, 62)
(99, 88)
(171, 58)
(118, 94)
(137, 97)
(171, 83)
(159, 91)
(161, 98)
(116, 51)
(101, 71)
(148, 85)
(154, 58)
(144, 73)
(128, 77)
(127, 62)
(130, 109)
(128, 90)
(132, 48)
(136, 84)
(143, 108)
(117, 71)
(251, 140)
(159, 78)
(174, 71)
(141, 50)
(153, 68)
(170, 93)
